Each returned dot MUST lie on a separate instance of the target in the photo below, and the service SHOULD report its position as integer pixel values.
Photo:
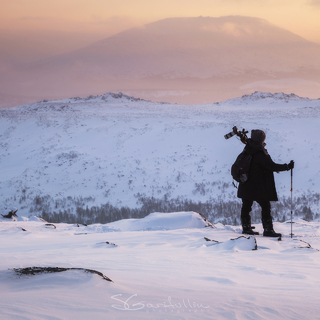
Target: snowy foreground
(161, 267)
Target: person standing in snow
(260, 186)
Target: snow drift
(163, 221)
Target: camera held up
(241, 134)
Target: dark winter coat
(260, 184)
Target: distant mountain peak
(257, 95)
(66, 104)
(109, 96)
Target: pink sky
(31, 30)
(102, 18)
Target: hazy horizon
(31, 32)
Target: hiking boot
(268, 229)
(246, 226)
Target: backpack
(240, 168)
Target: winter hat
(258, 136)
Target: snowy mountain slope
(59, 155)
(163, 274)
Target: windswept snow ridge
(163, 221)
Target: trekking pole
(291, 203)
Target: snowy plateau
(172, 245)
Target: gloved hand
(291, 165)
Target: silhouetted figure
(260, 186)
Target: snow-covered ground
(59, 155)
(78, 152)
(161, 267)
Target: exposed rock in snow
(241, 243)
(10, 213)
(39, 270)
